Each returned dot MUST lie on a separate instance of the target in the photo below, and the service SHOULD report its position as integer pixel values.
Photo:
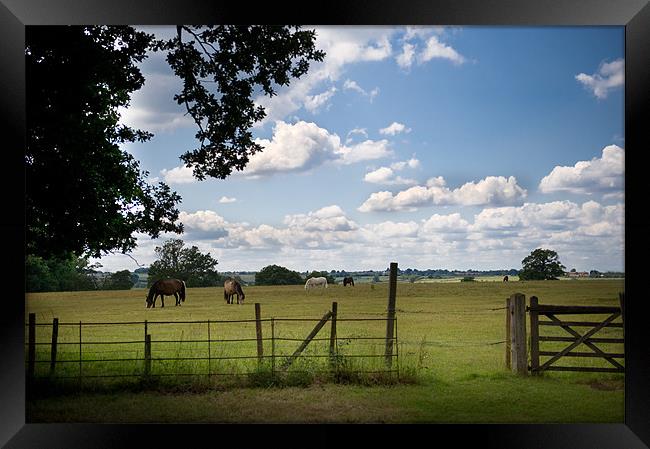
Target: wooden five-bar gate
(516, 342)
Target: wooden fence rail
(576, 339)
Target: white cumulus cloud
(360, 131)
(422, 44)
(489, 191)
(152, 107)
(411, 163)
(406, 58)
(452, 223)
(390, 229)
(353, 85)
(315, 102)
(301, 146)
(588, 234)
(609, 76)
(343, 46)
(329, 218)
(436, 49)
(599, 175)
(294, 147)
(178, 175)
(364, 151)
(394, 128)
(387, 176)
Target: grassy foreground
(449, 339)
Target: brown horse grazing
(164, 287)
(231, 288)
(348, 280)
(505, 278)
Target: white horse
(315, 282)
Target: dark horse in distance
(348, 280)
(231, 288)
(164, 287)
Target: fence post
(333, 334)
(273, 346)
(534, 335)
(508, 348)
(390, 323)
(258, 329)
(519, 356)
(55, 337)
(31, 350)
(209, 353)
(80, 359)
(147, 355)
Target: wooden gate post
(390, 322)
(333, 334)
(519, 356)
(258, 331)
(31, 350)
(534, 335)
(55, 337)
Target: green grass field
(449, 344)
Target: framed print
(456, 138)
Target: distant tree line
(606, 274)
(441, 273)
(175, 260)
(277, 275)
(76, 274)
(72, 274)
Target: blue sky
(433, 147)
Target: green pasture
(451, 355)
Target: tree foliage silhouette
(85, 194)
(277, 275)
(188, 264)
(541, 264)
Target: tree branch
(179, 29)
(128, 255)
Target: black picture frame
(633, 14)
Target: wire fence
(130, 349)
(219, 348)
(79, 350)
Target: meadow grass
(451, 357)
